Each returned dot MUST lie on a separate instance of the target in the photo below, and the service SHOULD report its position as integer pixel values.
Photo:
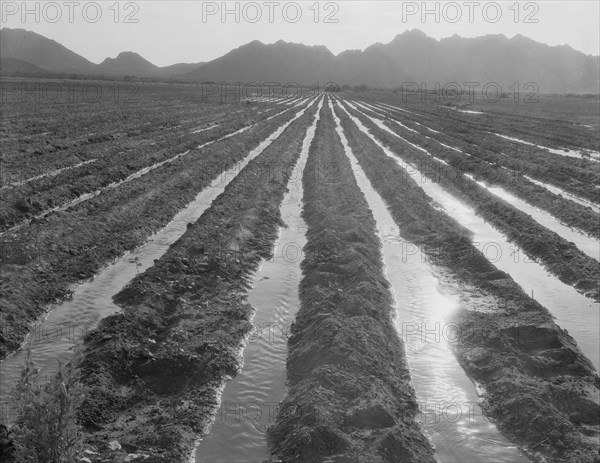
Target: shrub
(45, 429)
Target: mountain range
(410, 57)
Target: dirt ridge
(72, 246)
(539, 386)
(153, 372)
(558, 256)
(350, 398)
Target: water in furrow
(574, 312)
(448, 400)
(54, 335)
(250, 401)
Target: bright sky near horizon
(167, 32)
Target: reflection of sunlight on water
(251, 399)
(443, 305)
(68, 321)
(587, 244)
(573, 311)
(448, 402)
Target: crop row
(155, 349)
(528, 366)
(574, 175)
(40, 138)
(346, 366)
(554, 122)
(33, 199)
(73, 245)
(560, 257)
(570, 213)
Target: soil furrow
(350, 398)
(538, 386)
(163, 360)
(568, 212)
(574, 175)
(543, 128)
(36, 200)
(560, 257)
(71, 246)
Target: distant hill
(10, 66)
(27, 52)
(280, 62)
(410, 57)
(415, 57)
(41, 52)
(127, 63)
(179, 69)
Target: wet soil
(486, 165)
(71, 246)
(558, 256)
(538, 386)
(350, 398)
(478, 138)
(153, 373)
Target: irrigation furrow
(562, 300)
(447, 398)
(379, 113)
(537, 163)
(250, 400)
(570, 221)
(70, 140)
(74, 245)
(529, 198)
(48, 174)
(397, 108)
(560, 191)
(500, 335)
(349, 397)
(526, 124)
(479, 127)
(551, 188)
(92, 300)
(581, 154)
(51, 193)
(135, 175)
(184, 319)
(587, 244)
(558, 255)
(296, 102)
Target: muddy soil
(72, 246)
(538, 386)
(559, 256)
(559, 122)
(477, 137)
(153, 372)
(29, 200)
(42, 133)
(487, 166)
(350, 398)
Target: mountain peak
(128, 54)
(40, 51)
(414, 32)
(127, 63)
(411, 34)
(253, 44)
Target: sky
(167, 32)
